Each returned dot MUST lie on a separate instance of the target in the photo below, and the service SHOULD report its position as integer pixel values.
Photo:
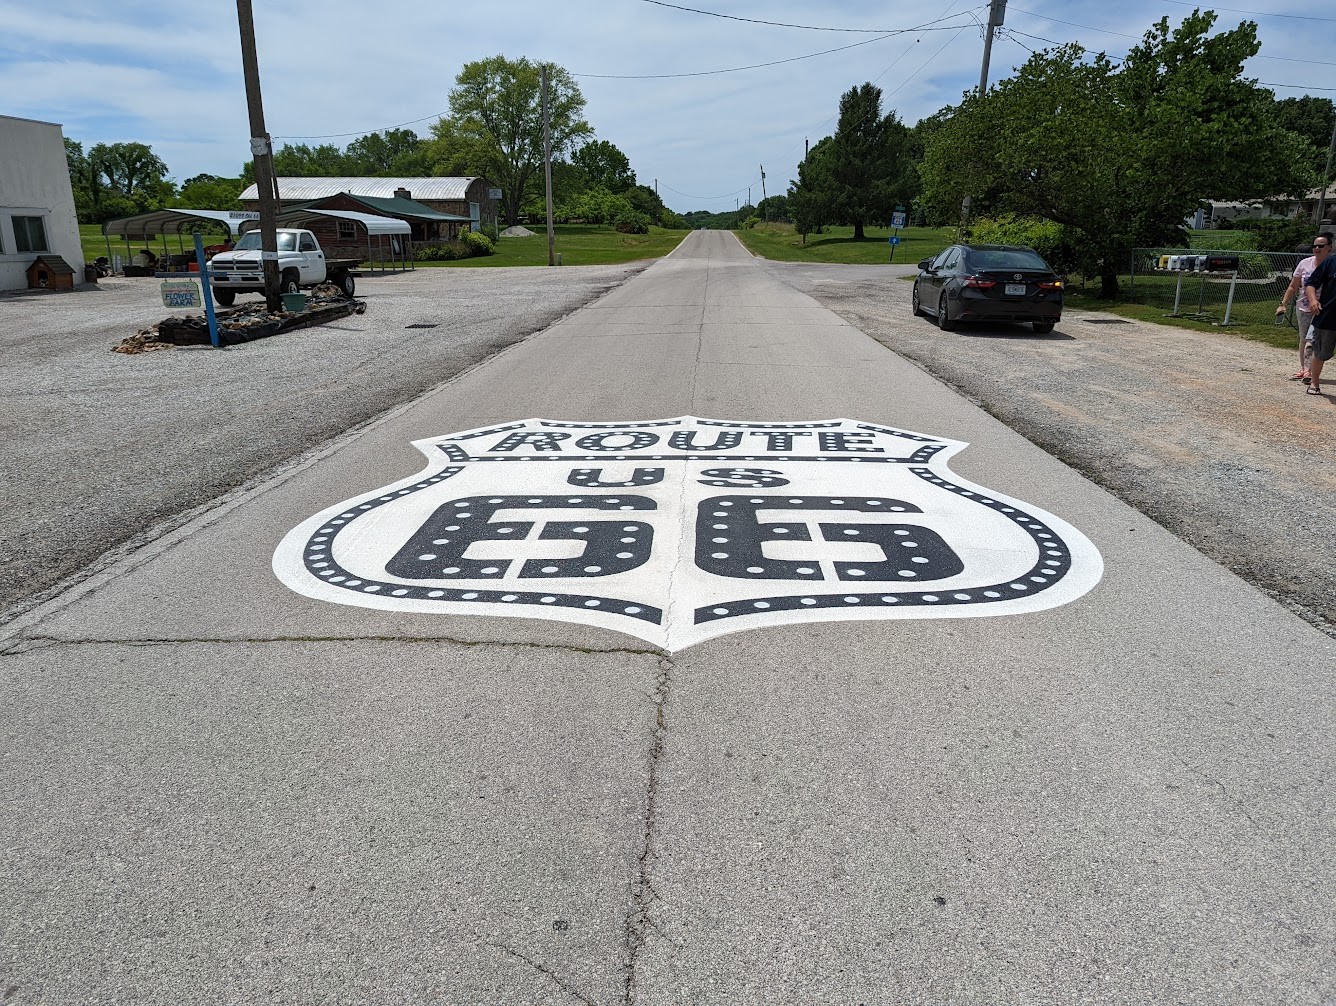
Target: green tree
(496, 123)
(1119, 154)
(604, 166)
(810, 199)
(303, 161)
(85, 182)
(383, 153)
(1312, 118)
(209, 192)
(129, 168)
(858, 175)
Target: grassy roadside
(577, 244)
(837, 244)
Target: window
(29, 235)
(307, 243)
(347, 230)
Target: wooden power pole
(263, 152)
(547, 168)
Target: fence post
(1132, 283)
(1229, 303)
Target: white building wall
(35, 182)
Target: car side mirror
(925, 265)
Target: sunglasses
(1320, 247)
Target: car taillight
(1054, 285)
(981, 283)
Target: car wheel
(224, 298)
(345, 282)
(918, 308)
(1042, 327)
(288, 283)
(944, 321)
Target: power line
(1257, 13)
(1297, 87)
(776, 24)
(364, 132)
(757, 66)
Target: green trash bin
(294, 302)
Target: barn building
(36, 202)
(466, 198)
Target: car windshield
(1006, 258)
(250, 241)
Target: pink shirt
(1301, 272)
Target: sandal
(1307, 379)
(1299, 376)
(1313, 389)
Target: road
(256, 760)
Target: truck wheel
(288, 282)
(224, 298)
(345, 282)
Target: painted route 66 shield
(682, 529)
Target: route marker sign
(679, 530)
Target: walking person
(1320, 294)
(1294, 294)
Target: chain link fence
(1198, 288)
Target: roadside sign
(897, 219)
(894, 239)
(493, 193)
(180, 293)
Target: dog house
(50, 272)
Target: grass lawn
(577, 244)
(837, 244)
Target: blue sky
(170, 74)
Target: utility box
(50, 272)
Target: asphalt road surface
(338, 739)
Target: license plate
(1016, 289)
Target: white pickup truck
(301, 262)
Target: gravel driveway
(1202, 431)
(96, 446)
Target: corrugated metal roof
(406, 208)
(319, 188)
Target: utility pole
(1326, 177)
(997, 11)
(547, 169)
(767, 208)
(262, 149)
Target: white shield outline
(692, 604)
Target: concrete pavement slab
(1121, 799)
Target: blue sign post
(897, 221)
(208, 293)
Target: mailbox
(1222, 263)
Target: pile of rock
(244, 323)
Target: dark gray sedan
(989, 283)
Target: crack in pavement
(643, 895)
(542, 968)
(28, 644)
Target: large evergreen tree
(857, 176)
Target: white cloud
(169, 75)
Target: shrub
(1277, 235)
(1234, 240)
(1053, 241)
(478, 243)
(631, 222)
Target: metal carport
(144, 227)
